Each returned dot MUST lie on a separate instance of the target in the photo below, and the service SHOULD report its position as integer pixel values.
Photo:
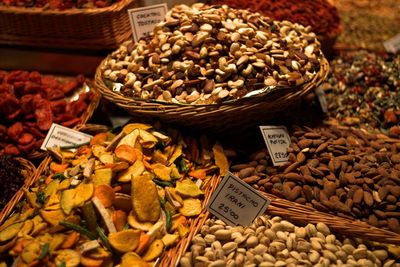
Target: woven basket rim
(126, 101)
(116, 7)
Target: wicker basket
(216, 117)
(84, 118)
(100, 28)
(28, 171)
(297, 214)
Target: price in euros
(281, 155)
(228, 210)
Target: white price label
(62, 136)
(322, 99)
(393, 44)
(144, 19)
(236, 203)
(277, 140)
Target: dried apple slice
(130, 139)
(220, 159)
(10, 232)
(191, 207)
(53, 217)
(187, 188)
(69, 257)
(161, 171)
(124, 241)
(132, 126)
(131, 259)
(84, 192)
(145, 201)
(169, 239)
(134, 223)
(146, 139)
(68, 200)
(133, 171)
(155, 250)
(31, 252)
(103, 176)
(126, 153)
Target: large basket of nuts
(209, 66)
(65, 24)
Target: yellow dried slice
(31, 252)
(133, 171)
(155, 250)
(98, 150)
(169, 239)
(52, 187)
(159, 157)
(53, 217)
(161, 171)
(56, 242)
(102, 176)
(191, 207)
(26, 229)
(176, 154)
(124, 241)
(10, 232)
(129, 139)
(132, 126)
(145, 201)
(65, 184)
(84, 192)
(70, 257)
(131, 259)
(107, 159)
(220, 159)
(146, 139)
(53, 199)
(126, 153)
(68, 200)
(134, 223)
(187, 188)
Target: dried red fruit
(11, 150)
(15, 131)
(43, 113)
(25, 139)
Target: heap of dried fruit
(208, 54)
(58, 4)
(121, 199)
(31, 102)
(11, 178)
(347, 172)
(363, 88)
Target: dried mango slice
(191, 207)
(161, 171)
(26, 229)
(103, 176)
(52, 187)
(107, 159)
(89, 262)
(126, 153)
(198, 174)
(69, 257)
(145, 201)
(133, 171)
(169, 239)
(124, 241)
(159, 157)
(176, 154)
(53, 217)
(84, 192)
(187, 188)
(68, 200)
(155, 250)
(134, 223)
(10, 232)
(220, 159)
(98, 150)
(131, 259)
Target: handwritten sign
(322, 99)
(144, 19)
(62, 136)
(393, 44)
(277, 140)
(236, 203)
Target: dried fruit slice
(53, 217)
(132, 126)
(132, 259)
(134, 223)
(145, 201)
(69, 257)
(191, 207)
(84, 192)
(220, 159)
(124, 241)
(129, 139)
(105, 194)
(123, 202)
(10, 232)
(133, 171)
(103, 176)
(126, 153)
(68, 200)
(161, 171)
(155, 250)
(187, 188)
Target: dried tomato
(43, 113)
(26, 148)
(12, 150)
(25, 139)
(58, 106)
(15, 131)
(71, 123)
(8, 104)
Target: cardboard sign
(393, 44)
(144, 19)
(322, 99)
(62, 136)
(277, 140)
(236, 203)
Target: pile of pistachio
(273, 242)
(122, 199)
(209, 54)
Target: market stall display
(71, 28)
(272, 241)
(123, 198)
(347, 172)
(31, 102)
(202, 60)
(363, 89)
(57, 4)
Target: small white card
(62, 136)
(144, 19)
(277, 140)
(393, 44)
(236, 203)
(322, 99)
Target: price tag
(393, 44)
(144, 19)
(62, 136)
(235, 202)
(322, 99)
(277, 140)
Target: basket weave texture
(244, 111)
(100, 28)
(28, 171)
